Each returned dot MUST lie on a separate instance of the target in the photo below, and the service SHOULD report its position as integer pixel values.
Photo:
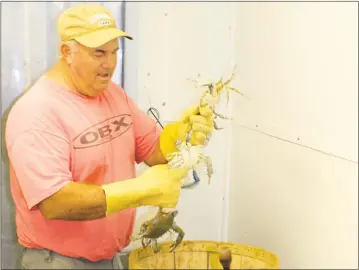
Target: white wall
(294, 182)
(291, 152)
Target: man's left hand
(198, 120)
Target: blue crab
(212, 95)
(188, 157)
(156, 227)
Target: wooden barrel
(202, 255)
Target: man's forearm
(75, 201)
(79, 201)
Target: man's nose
(109, 62)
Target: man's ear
(66, 52)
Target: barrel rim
(240, 249)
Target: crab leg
(216, 127)
(221, 115)
(179, 238)
(155, 246)
(145, 242)
(236, 90)
(208, 162)
(136, 237)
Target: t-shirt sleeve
(41, 162)
(146, 131)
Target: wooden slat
(252, 263)
(163, 261)
(191, 260)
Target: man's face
(93, 68)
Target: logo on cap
(105, 19)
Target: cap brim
(99, 38)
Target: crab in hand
(156, 227)
(211, 96)
(188, 157)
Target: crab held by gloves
(156, 227)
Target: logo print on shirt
(103, 132)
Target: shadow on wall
(10, 248)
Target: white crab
(210, 99)
(188, 157)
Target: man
(73, 140)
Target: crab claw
(179, 238)
(193, 184)
(135, 237)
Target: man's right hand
(157, 186)
(163, 185)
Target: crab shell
(159, 225)
(187, 157)
(210, 100)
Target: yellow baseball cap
(90, 25)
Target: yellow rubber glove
(197, 119)
(157, 186)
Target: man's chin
(99, 90)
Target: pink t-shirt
(55, 136)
